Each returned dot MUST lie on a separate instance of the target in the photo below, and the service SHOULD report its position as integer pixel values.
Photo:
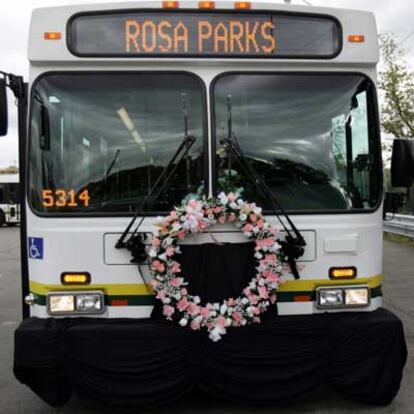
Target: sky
(394, 16)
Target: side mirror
(402, 163)
(3, 108)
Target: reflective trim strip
(139, 295)
(136, 289)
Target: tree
(397, 85)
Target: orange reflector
(342, 272)
(356, 38)
(170, 4)
(242, 5)
(119, 302)
(52, 35)
(302, 298)
(75, 278)
(206, 5)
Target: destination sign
(185, 34)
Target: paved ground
(16, 398)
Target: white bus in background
(111, 89)
(9, 199)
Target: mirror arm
(15, 83)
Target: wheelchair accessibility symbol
(36, 248)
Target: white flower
(196, 299)
(243, 217)
(223, 198)
(166, 301)
(247, 233)
(233, 205)
(216, 333)
(223, 308)
(176, 226)
(163, 257)
(258, 255)
(245, 301)
(257, 210)
(153, 253)
(169, 240)
(183, 322)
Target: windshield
(313, 138)
(99, 141)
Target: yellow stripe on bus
(141, 289)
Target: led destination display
(204, 35)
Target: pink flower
(221, 322)
(273, 298)
(174, 215)
(217, 210)
(194, 325)
(231, 197)
(181, 234)
(231, 218)
(260, 223)
(222, 219)
(248, 227)
(155, 242)
(253, 299)
(154, 283)
(184, 291)
(158, 266)
(168, 310)
(161, 294)
(237, 316)
(265, 242)
(255, 311)
(193, 309)
(263, 292)
(176, 281)
(176, 267)
(256, 319)
(270, 276)
(253, 217)
(270, 258)
(208, 211)
(204, 312)
(183, 304)
(170, 251)
(201, 224)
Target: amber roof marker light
(206, 5)
(242, 5)
(52, 35)
(170, 4)
(356, 39)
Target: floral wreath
(196, 216)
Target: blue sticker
(36, 248)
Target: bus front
(113, 92)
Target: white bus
(279, 100)
(9, 199)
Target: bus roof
(55, 20)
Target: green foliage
(397, 84)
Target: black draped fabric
(138, 362)
(125, 362)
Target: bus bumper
(130, 362)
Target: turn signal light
(342, 272)
(75, 278)
(52, 35)
(170, 4)
(210, 5)
(242, 5)
(356, 38)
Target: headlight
(72, 303)
(61, 303)
(357, 296)
(330, 298)
(342, 297)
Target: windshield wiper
(135, 242)
(293, 245)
